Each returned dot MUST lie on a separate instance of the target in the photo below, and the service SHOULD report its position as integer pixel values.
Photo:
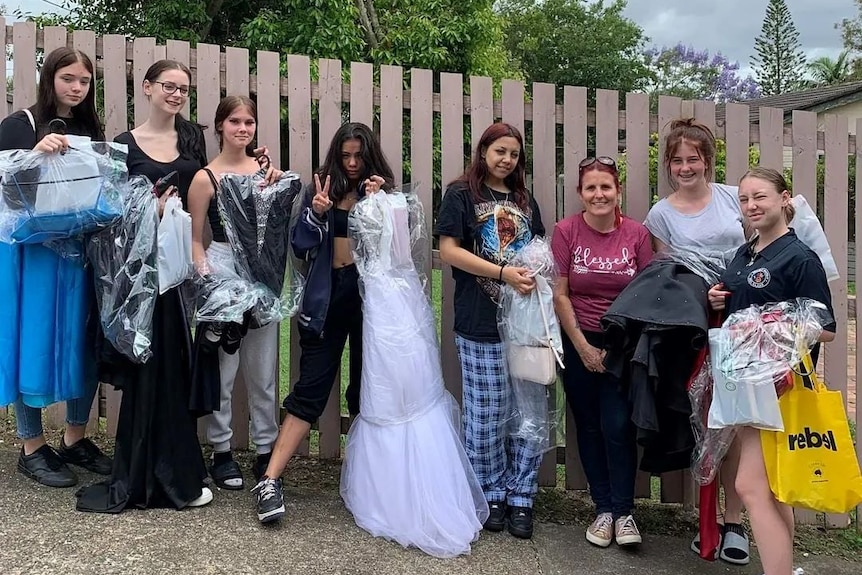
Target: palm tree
(826, 72)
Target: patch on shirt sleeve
(759, 278)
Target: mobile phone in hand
(165, 182)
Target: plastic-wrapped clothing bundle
(127, 282)
(808, 229)
(406, 476)
(531, 336)
(752, 355)
(712, 444)
(60, 196)
(256, 218)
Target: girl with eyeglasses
(157, 459)
(703, 217)
(486, 216)
(65, 92)
(598, 252)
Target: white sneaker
(206, 497)
(601, 531)
(626, 531)
(797, 571)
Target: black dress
(157, 459)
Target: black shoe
(521, 522)
(496, 517)
(86, 454)
(227, 475)
(270, 499)
(45, 466)
(258, 468)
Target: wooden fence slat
(180, 51)
(607, 120)
(421, 154)
(574, 147)
(805, 155)
(269, 105)
(144, 50)
(858, 314)
(545, 192)
(236, 71)
(513, 104)
(54, 37)
(705, 113)
(481, 107)
(362, 93)
(24, 65)
(452, 166)
(737, 140)
(299, 144)
(771, 138)
(160, 52)
(669, 109)
(391, 117)
(115, 81)
(637, 187)
(208, 92)
(329, 424)
(835, 223)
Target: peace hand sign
(321, 203)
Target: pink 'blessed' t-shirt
(598, 265)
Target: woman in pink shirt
(598, 252)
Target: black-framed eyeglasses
(170, 88)
(606, 160)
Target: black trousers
(321, 353)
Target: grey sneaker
(270, 499)
(626, 531)
(601, 531)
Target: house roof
(813, 100)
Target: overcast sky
(726, 26)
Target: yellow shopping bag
(812, 463)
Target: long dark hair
(190, 137)
(45, 108)
(373, 160)
(225, 108)
(475, 175)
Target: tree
(576, 43)
(452, 35)
(826, 72)
(684, 72)
(851, 35)
(778, 62)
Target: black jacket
(654, 331)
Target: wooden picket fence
(316, 107)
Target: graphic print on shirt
(620, 263)
(503, 229)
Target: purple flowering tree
(692, 75)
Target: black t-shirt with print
(494, 229)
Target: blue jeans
(29, 419)
(606, 435)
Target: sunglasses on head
(607, 161)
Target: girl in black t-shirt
(158, 459)
(486, 216)
(775, 266)
(47, 282)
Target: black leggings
(321, 353)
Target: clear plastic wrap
(223, 296)
(708, 265)
(256, 217)
(808, 229)
(123, 257)
(712, 444)
(531, 337)
(752, 354)
(49, 197)
(175, 245)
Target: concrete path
(40, 532)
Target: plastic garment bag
(174, 245)
(808, 229)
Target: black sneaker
(496, 517)
(45, 466)
(521, 522)
(86, 454)
(270, 499)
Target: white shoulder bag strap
(540, 283)
(30, 117)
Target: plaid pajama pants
(507, 467)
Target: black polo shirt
(784, 270)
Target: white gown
(405, 476)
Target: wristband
(502, 265)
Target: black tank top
(339, 222)
(212, 212)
